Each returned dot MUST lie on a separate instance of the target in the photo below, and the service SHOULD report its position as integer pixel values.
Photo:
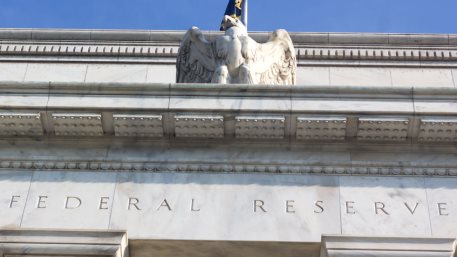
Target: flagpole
(244, 17)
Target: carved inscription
(14, 199)
(381, 209)
(259, 205)
(289, 206)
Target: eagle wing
(275, 60)
(196, 62)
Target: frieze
(213, 126)
(136, 201)
(236, 113)
(258, 205)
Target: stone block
(418, 39)
(380, 206)
(69, 200)
(116, 73)
(438, 130)
(137, 125)
(360, 77)
(358, 38)
(141, 100)
(20, 124)
(313, 76)
(453, 39)
(383, 129)
(15, 34)
(56, 72)
(407, 77)
(167, 36)
(256, 127)
(186, 98)
(161, 74)
(60, 35)
(321, 128)
(221, 206)
(74, 243)
(12, 71)
(338, 246)
(376, 106)
(199, 126)
(74, 124)
(310, 38)
(434, 107)
(113, 35)
(454, 75)
(442, 204)
(14, 189)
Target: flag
(235, 10)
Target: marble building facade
(103, 154)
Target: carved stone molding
(170, 50)
(72, 124)
(321, 128)
(438, 130)
(20, 124)
(258, 127)
(397, 54)
(87, 50)
(230, 112)
(359, 168)
(129, 125)
(336, 246)
(383, 129)
(63, 243)
(199, 126)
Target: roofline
(175, 37)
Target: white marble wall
(166, 73)
(71, 72)
(380, 76)
(247, 207)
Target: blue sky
(395, 16)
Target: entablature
(136, 46)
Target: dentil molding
(163, 46)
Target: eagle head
(229, 22)
(233, 26)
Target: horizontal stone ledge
(63, 242)
(336, 246)
(176, 36)
(231, 90)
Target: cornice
(176, 35)
(244, 113)
(162, 47)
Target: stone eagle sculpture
(235, 58)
